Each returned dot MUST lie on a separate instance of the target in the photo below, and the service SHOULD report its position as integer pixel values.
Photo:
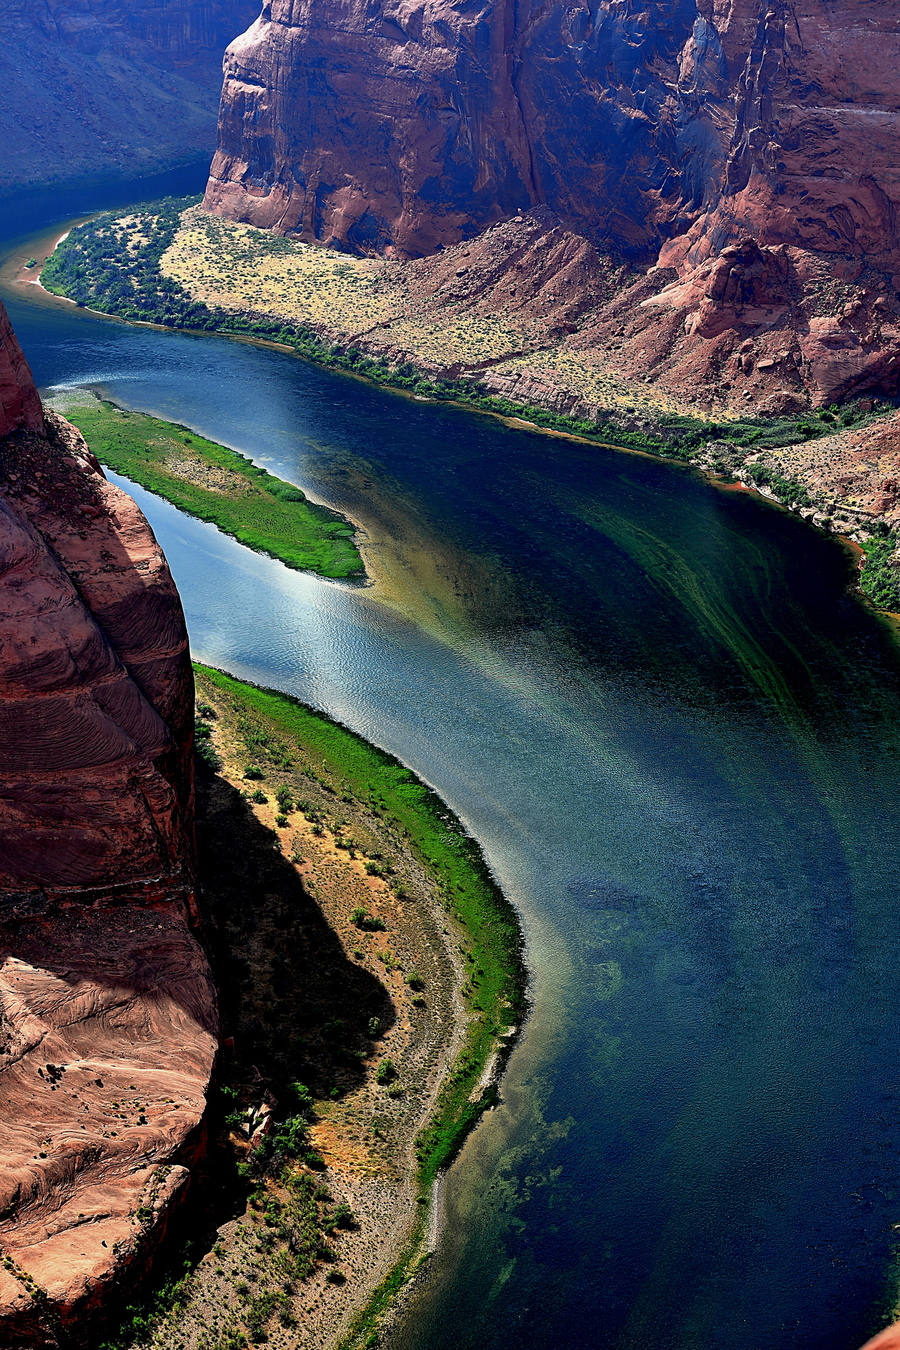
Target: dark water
(676, 736)
(25, 213)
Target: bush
(253, 773)
(385, 1073)
(370, 923)
(208, 755)
(259, 796)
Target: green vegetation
(495, 989)
(95, 266)
(880, 578)
(786, 490)
(219, 485)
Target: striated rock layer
(107, 1012)
(410, 123)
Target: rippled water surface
(676, 736)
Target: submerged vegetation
(219, 485)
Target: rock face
(100, 86)
(749, 150)
(107, 1013)
(20, 405)
(407, 124)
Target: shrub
(341, 1216)
(259, 796)
(385, 1073)
(304, 1100)
(282, 822)
(208, 755)
(253, 773)
(370, 923)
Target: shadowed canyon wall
(408, 124)
(107, 1012)
(92, 87)
(742, 155)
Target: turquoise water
(675, 734)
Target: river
(675, 734)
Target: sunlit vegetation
(219, 485)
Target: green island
(99, 266)
(218, 485)
(345, 913)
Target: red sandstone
(107, 1011)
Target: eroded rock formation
(94, 86)
(107, 1012)
(407, 124)
(748, 150)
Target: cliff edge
(107, 1011)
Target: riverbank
(449, 337)
(216, 484)
(362, 950)
(174, 264)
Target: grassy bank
(346, 765)
(343, 907)
(219, 485)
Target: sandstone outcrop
(408, 124)
(889, 1339)
(103, 86)
(107, 1012)
(749, 152)
(20, 405)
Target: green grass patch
(495, 988)
(880, 578)
(247, 502)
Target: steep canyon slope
(107, 1012)
(740, 156)
(91, 87)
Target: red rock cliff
(407, 124)
(107, 1013)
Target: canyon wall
(404, 125)
(91, 87)
(107, 1011)
(740, 156)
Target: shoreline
(217, 484)
(381, 1140)
(681, 438)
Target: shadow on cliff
(293, 1007)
